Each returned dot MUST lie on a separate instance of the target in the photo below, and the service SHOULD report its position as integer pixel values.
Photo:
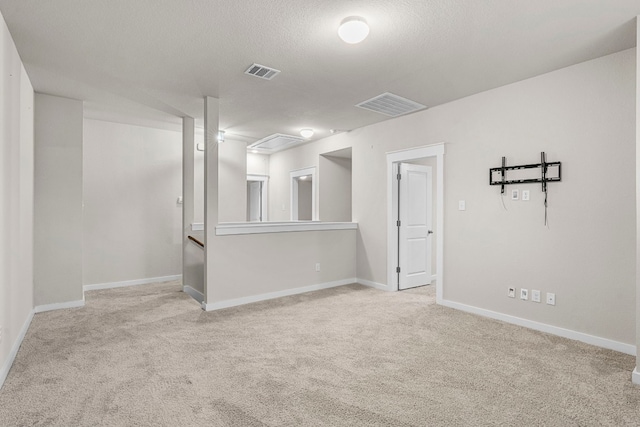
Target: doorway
(303, 195)
(257, 198)
(393, 250)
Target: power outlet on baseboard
(512, 292)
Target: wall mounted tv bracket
(549, 172)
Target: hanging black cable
(546, 220)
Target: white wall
(583, 116)
(334, 187)
(16, 192)
(132, 221)
(232, 193)
(257, 164)
(256, 264)
(58, 200)
(198, 178)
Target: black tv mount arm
(543, 166)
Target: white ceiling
(157, 59)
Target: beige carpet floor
(349, 356)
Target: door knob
(429, 232)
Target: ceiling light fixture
(306, 133)
(353, 29)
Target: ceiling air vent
(276, 142)
(391, 105)
(261, 71)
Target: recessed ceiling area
(276, 142)
(159, 60)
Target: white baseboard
(59, 306)
(271, 295)
(194, 293)
(543, 327)
(14, 349)
(147, 281)
(635, 376)
(371, 284)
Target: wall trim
(231, 228)
(193, 293)
(635, 376)
(543, 327)
(272, 295)
(14, 348)
(374, 285)
(59, 306)
(147, 281)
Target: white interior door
(254, 200)
(414, 226)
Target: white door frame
(393, 159)
(294, 192)
(263, 195)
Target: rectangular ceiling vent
(391, 105)
(276, 142)
(261, 71)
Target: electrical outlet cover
(515, 194)
(512, 292)
(524, 294)
(551, 298)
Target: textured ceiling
(157, 59)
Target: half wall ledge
(234, 228)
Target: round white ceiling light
(306, 133)
(353, 29)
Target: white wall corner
(193, 293)
(635, 376)
(146, 281)
(14, 349)
(59, 306)
(375, 285)
(272, 295)
(543, 327)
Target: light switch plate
(515, 194)
(535, 295)
(462, 205)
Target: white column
(211, 155)
(636, 372)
